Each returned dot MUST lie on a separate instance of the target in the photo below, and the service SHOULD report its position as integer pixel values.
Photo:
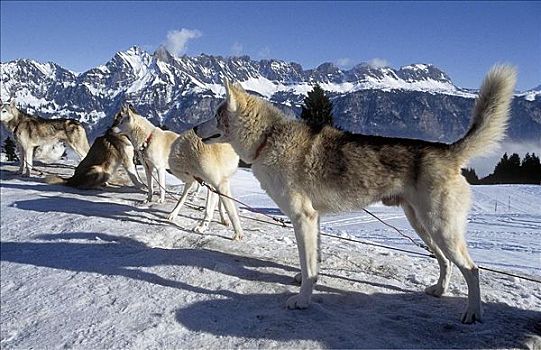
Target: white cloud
(378, 62)
(345, 62)
(237, 49)
(264, 52)
(177, 40)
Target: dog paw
(161, 200)
(226, 223)
(298, 302)
(171, 217)
(201, 227)
(237, 237)
(435, 290)
(298, 278)
(471, 316)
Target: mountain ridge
(181, 91)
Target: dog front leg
(130, 168)
(28, 161)
(161, 184)
(150, 183)
(306, 228)
(22, 161)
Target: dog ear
(230, 99)
(12, 104)
(239, 88)
(235, 95)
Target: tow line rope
(287, 224)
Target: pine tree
(317, 109)
(9, 148)
(471, 176)
(530, 169)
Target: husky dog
(151, 143)
(188, 159)
(107, 154)
(31, 132)
(308, 172)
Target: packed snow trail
(94, 269)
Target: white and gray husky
(308, 172)
(31, 132)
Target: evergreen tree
(511, 170)
(9, 148)
(470, 176)
(502, 167)
(514, 169)
(530, 169)
(317, 109)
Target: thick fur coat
(31, 132)
(107, 154)
(308, 172)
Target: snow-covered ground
(95, 270)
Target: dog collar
(147, 141)
(16, 128)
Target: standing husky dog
(189, 160)
(31, 132)
(308, 172)
(107, 154)
(152, 144)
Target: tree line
(509, 170)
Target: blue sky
(462, 38)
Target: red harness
(147, 141)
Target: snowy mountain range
(417, 100)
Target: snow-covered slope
(92, 269)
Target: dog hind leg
(223, 213)
(445, 219)
(212, 200)
(180, 203)
(231, 209)
(441, 286)
(305, 223)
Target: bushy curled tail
(55, 180)
(490, 115)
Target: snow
(94, 270)
(530, 95)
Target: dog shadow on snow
(90, 208)
(337, 318)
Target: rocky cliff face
(418, 101)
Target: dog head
(122, 123)
(9, 111)
(221, 127)
(242, 120)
